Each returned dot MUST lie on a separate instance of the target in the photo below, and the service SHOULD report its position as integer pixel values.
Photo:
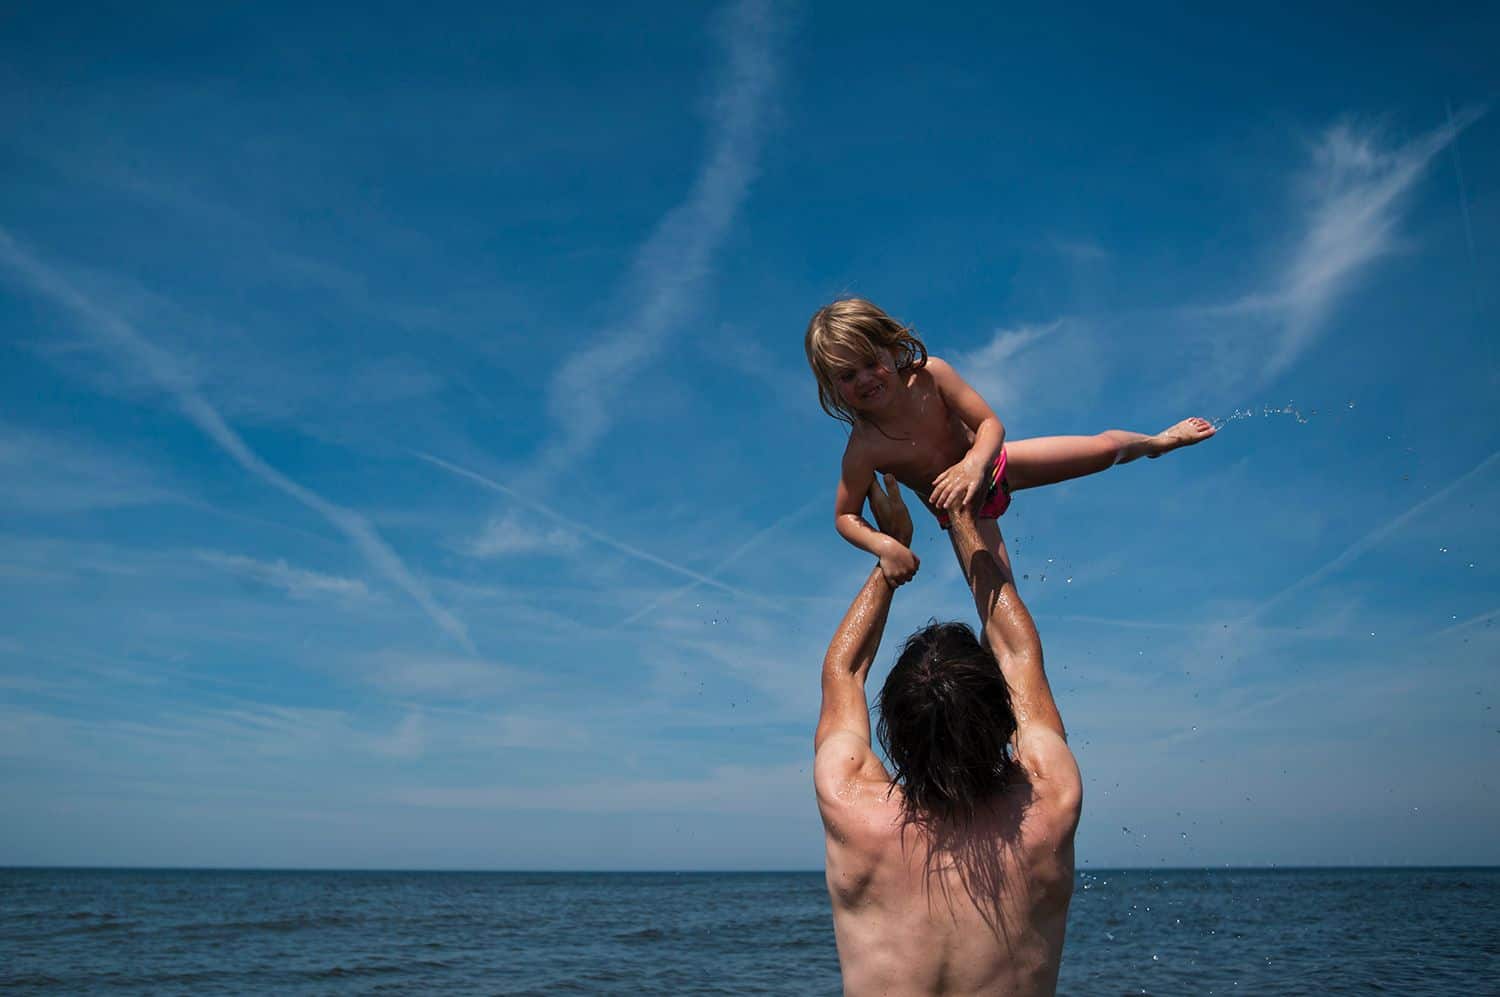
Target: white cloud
(671, 266)
(1354, 192)
(1041, 368)
(991, 369)
(295, 582)
(508, 535)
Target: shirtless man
(954, 876)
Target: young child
(913, 417)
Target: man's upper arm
(1053, 770)
(843, 756)
(844, 709)
(841, 745)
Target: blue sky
(407, 457)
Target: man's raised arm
(1008, 627)
(852, 650)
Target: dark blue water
(1426, 931)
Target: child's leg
(1046, 460)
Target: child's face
(865, 384)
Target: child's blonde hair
(861, 328)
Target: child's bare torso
(919, 437)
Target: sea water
(1314, 931)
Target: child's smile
(866, 384)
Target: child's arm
(959, 484)
(897, 562)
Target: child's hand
(957, 486)
(898, 564)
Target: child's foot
(1184, 434)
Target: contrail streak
(159, 365)
(588, 531)
(735, 555)
(1374, 537)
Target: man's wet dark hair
(946, 723)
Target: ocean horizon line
(394, 870)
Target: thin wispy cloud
(125, 339)
(1354, 192)
(298, 583)
(1042, 366)
(670, 268)
(40, 471)
(438, 676)
(507, 534)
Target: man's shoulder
(844, 762)
(1050, 774)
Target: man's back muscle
(918, 910)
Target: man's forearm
(857, 639)
(1008, 626)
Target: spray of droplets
(1266, 411)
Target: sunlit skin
(935, 433)
(932, 909)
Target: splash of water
(1266, 412)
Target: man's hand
(890, 511)
(957, 486)
(897, 562)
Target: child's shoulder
(938, 367)
(940, 374)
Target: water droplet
(1070, 581)
(1442, 550)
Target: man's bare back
(938, 905)
(919, 911)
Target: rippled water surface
(1183, 932)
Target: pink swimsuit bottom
(996, 500)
